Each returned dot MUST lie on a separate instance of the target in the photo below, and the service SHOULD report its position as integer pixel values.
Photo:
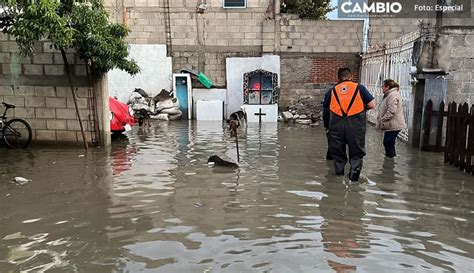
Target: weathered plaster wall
(456, 56)
(155, 72)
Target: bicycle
(16, 132)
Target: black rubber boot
(354, 176)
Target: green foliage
(82, 26)
(308, 9)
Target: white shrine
(254, 83)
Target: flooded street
(152, 204)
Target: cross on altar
(260, 114)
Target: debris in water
(198, 205)
(221, 162)
(21, 180)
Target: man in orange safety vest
(347, 103)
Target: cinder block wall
(39, 89)
(456, 56)
(311, 53)
(199, 41)
(383, 30)
(293, 35)
(203, 41)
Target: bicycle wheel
(17, 133)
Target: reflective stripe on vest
(344, 95)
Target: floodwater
(152, 204)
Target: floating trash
(21, 180)
(198, 205)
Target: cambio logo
(374, 7)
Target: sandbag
(176, 116)
(171, 111)
(138, 102)
(162, 117)
(170, 103)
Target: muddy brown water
(152, 204)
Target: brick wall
(38, 87)
(324, 70)
(309, 77)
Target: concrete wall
(456, 56)
(311, 53)
(39, 89)
(290, 34)
(155, 73)
(204, 41)
(382, 30)
(198, 41)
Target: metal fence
(393, 60)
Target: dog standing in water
(143, 118)
(236, 120)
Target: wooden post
(452, 133)
(427, 126)
(464, 121)
(457, 146)
(470, 143)
(68, 73)
(439, 133)
(447, 144)
(237, 145)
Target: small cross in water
(260, 114)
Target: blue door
(182, 95)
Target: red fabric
(121, 115)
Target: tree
(308, 9)
(82, 26)
(68, 24)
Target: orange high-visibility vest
(346, 99)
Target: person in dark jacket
(326, 122)
(347, 103)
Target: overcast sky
(333, 15)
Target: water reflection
(58, 219)
(343, 231)
(152, 204)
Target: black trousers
(389, 139)
(347, 132)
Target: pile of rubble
(162, 106)
(305, 111)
